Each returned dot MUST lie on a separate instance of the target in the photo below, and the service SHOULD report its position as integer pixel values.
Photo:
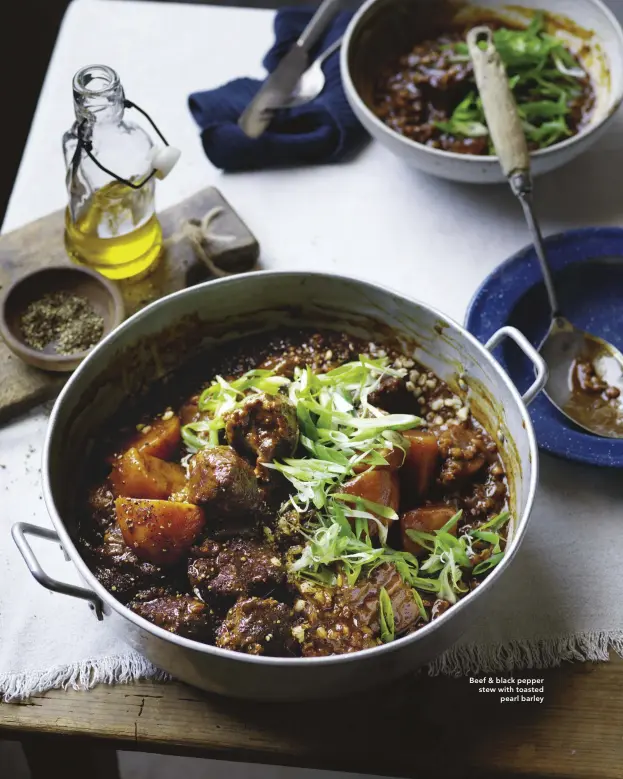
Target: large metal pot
(168, 332)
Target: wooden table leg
(50, 755)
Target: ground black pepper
(66, 320)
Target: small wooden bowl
(103, 296)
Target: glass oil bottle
(110, 222)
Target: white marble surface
(371, 218)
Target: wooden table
(425, 727)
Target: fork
(313, 81)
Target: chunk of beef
(264, 428)
(102, 507)
(393, 396)
(180, 614)
(225, 486)
(120, 571)
(326, 626)
(464, 452)
(206, 547)
(363, 599)
(287, 530)
(257, 626)
(240, 567)
(426, 519)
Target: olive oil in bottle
(111, 237)
(110, 222)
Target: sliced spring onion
(376, 508)
(496, 522)
(387, 620)
(418, 600)
(488, 564)
(539, 67)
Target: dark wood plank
(41, 243)
(433, 727)
(78, 759)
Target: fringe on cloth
(462, 660)
(470, 659)
(114, 669)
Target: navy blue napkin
(322, 131)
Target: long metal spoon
(563, 343)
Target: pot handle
(538, 363)
(19, 531)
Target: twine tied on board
(203, 239)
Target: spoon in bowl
(585, 378)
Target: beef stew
(295, 494)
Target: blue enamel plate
(588, 267)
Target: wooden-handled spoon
(564, 343)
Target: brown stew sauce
(222, 577)
(425, 85)
(594, 401)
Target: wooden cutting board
(40, 244)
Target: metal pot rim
(189, 644)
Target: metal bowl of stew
(382, 31)
(163, 337)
